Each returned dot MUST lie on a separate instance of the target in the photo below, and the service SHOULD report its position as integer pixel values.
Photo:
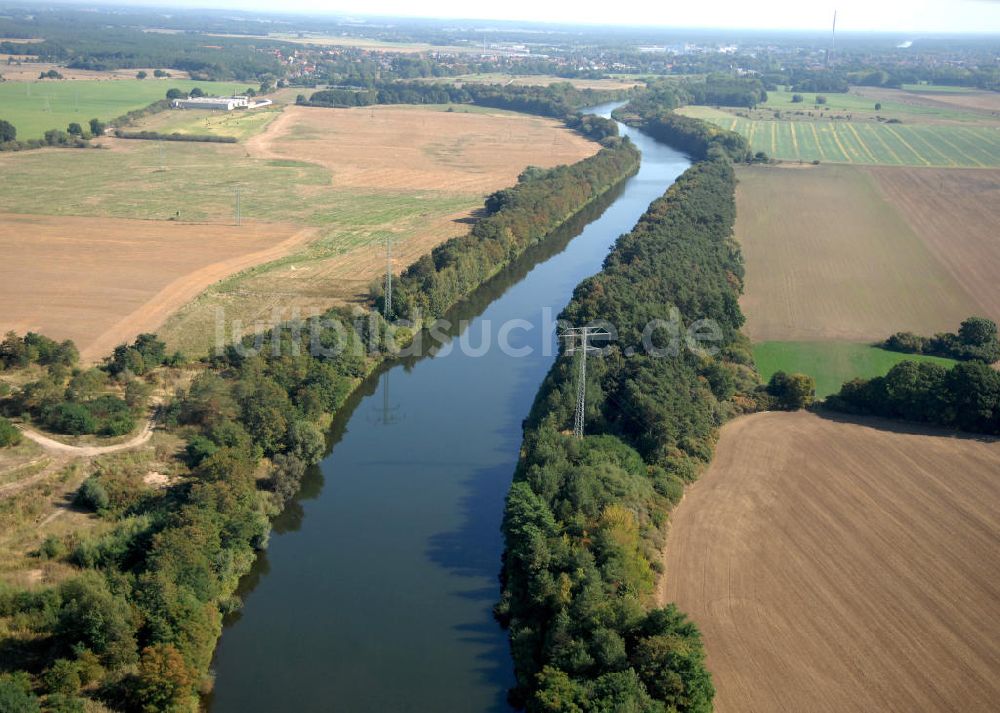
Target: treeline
(518, 218)
(96, 41)
(560, 100)
(52, 137)
(976, 340)
(584, 520)
(698, 138)
(157, 136)
(74, 401)
(966, 397)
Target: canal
(377, 589)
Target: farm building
(222, 103)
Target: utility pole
(388, 413)
(388, 275)
(238, 206)
(583, 334)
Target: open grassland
(837, 566)
(203, 122)
(541, 80)
(100, 281)
(830, 363)
(35, 107)
(354, 177)
(864, 142)
(414, 176)
(29, 70)
(830, 258)
(937, 96)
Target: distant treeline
(88, 41)
(976, 340)
(519, 217)
(157, 136)
(651, 111)
(966, 397)
(584, 521)
(560, 100)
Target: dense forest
(82, 40)
(518, 218)
(584, 522)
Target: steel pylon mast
(580, 342)
(388, 276)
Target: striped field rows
(871, 143)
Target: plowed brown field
(857, 253)
(841, 566)
(101, 281)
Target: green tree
(97, 127)
(791, 391)
(164, 681)
(95, 618)
(63, 677)
(9, 435)
(196, 92)
(7, 131)
(878, 106)
(141, 74)
(74, 129)
(174, 94)
(978, 331)
(16, 696)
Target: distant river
(376, 593)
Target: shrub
(791, 391)
(9, 435)
(71, 418)
(63, 677)
(92, 496)
(16, 696)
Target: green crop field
(830, 363)
(945, 145)
(239, 124)
(35, 107)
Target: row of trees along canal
(137, 624)
(584, 521)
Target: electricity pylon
(238, 206)
(388, 275)
(583, 334)
(387, 415)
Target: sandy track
(55, 446)
(835, 566)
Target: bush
(63, 677)
(16, 696)
(71, 418)
(9, 435)
(92, 496)
(791, 392)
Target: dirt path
(836, 566)
(88, 451)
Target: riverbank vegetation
(584, 522)
(518, 218)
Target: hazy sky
(889, 15)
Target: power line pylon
(238, 206)
(582, 335)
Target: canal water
(377, 590)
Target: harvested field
(956, 213)
(101, 281)
(402, 148)
(836, 566)
(829, 257)
(29, 71)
